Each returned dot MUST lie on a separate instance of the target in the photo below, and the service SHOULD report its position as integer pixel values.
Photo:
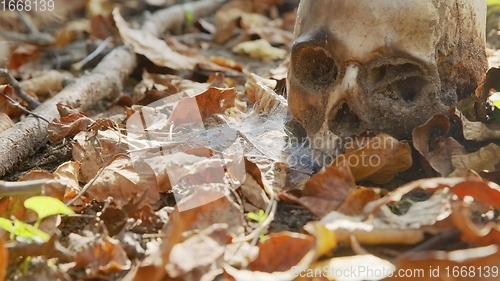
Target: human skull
(382, 65)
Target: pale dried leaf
(443, 148)
(200, 253)
(476, 131)
(93, 149)
(376, 159)
(373, 232)
(154, 49)
(485, 159)
(5, 122)
(260, 49)
(123, 182)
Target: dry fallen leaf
(253, 86)
(103, 26)
(208, 103)
(376, 159)
(5, 122)
(157, 86)
(443, 148)
(154, 49)
(226, 19)
(472, 195)
(260, 49)
(326, 190)
(66, 185)
(206, 213)
(122, 181)
(486, 195)
(99, 254)
(68, 126)
(71, 32)
(284, 255)
(353, 205)
(486, 159)
(4, 259)
(281, 251)
(12, 207)
(6, 106)
(23, 54)
(275, 36)
(199, 254)
(253, 188)
(261, 92)
(430, 184)
(476, 131)
(92, 149)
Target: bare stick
(32, 103)
(18, 188)
(77, 66)
(26, 38)
(34, 33)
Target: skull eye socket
(313, 67)
(398, 82)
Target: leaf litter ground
(164, 193)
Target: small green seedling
(493, 2)
(189, 14)
(395, 206)
(23, 231)
(495, 98)
(44, 206)
(259, 217)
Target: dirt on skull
(382, 66)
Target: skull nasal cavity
(344, 118)
(313, 67)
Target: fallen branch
(104, 82)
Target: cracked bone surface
(382, 66)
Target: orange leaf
(4, 260)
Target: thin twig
(77, 66)
(33, 31)
(22, 108)
(32, 103)
(101, 170)
(26, 38)
(27, 22)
